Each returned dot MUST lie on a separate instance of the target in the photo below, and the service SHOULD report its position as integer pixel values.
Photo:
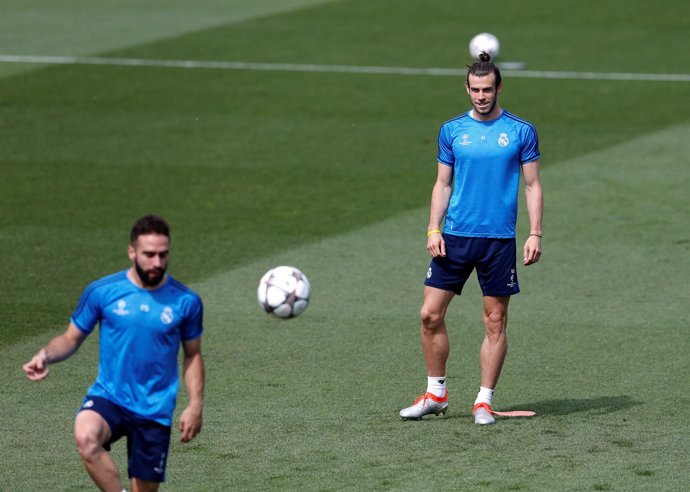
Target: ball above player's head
(485, 42)
(284, 292)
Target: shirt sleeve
(194, 323)
(530, 145)
(88, 311)
(445, 147)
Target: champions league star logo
(121, 309)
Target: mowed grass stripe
(313, 68)
(47, 27)
(311, 403)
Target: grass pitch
(332, 173)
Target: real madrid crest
(503, 140)
(167, 315)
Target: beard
(150, 278)
(488, 110)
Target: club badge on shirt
(167, 315)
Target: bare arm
(58, 349)
(535, 208)
(190, 419)
(440, 197)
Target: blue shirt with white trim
(486, 157)
(139, 340)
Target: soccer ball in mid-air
(484, 42)
(284, 292)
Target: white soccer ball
(284, 292)
(484, 42)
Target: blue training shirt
(139, 339)
(486, 157)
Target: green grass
(332, 172)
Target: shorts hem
(500, 294)
(147, 478)
(443, 287)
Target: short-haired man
(144, 315)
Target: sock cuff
(485, 395)
(436, 385)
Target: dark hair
(483, 67)
(149, 224)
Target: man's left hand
(190, 423)
(532, 250)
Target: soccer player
(144, 315)
(480, 156)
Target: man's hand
(37, 368)
(190, 423)
(435, 245)
(59, 348)
(532, 250)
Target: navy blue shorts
(494, 259)
(147, 441)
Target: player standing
(144, 316)
(480, 156)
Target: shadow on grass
(601, 405)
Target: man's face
(149, 255)
(483, 93)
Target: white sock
(436, 385)
(485, 395)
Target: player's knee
(89, 435)
(495, 318)
(431, 320)
(495, 323)
(87, 444)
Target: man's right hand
(435, 245)
(37, 368)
